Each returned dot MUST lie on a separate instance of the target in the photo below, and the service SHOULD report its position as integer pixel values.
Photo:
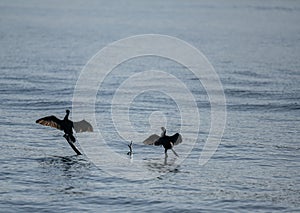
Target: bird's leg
(166, 155)
(70, 138)
(172, 145)
(66, 136)
(174, 152)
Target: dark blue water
(254, 47)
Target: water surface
(254, 47)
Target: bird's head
(68, 111)
(164, 131)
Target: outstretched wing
(151, 139)
(82, 126)
(51, 121)
(178, 140)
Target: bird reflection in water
(163, 166)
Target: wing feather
(82, 126)
(151, 139)
(51, 121)
(178, 140)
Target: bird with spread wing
(66, 125)
(168, 142)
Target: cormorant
(130, 149)
(66, 125)
(164, 140)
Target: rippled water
(254, 48)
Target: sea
(225, 74)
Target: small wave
(275, 107)
(275, 8)
(286, 148)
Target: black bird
(130, 149)
(164, 140)
(66, 125)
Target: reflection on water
(68, 165)
(162, 165)
(65, 173)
